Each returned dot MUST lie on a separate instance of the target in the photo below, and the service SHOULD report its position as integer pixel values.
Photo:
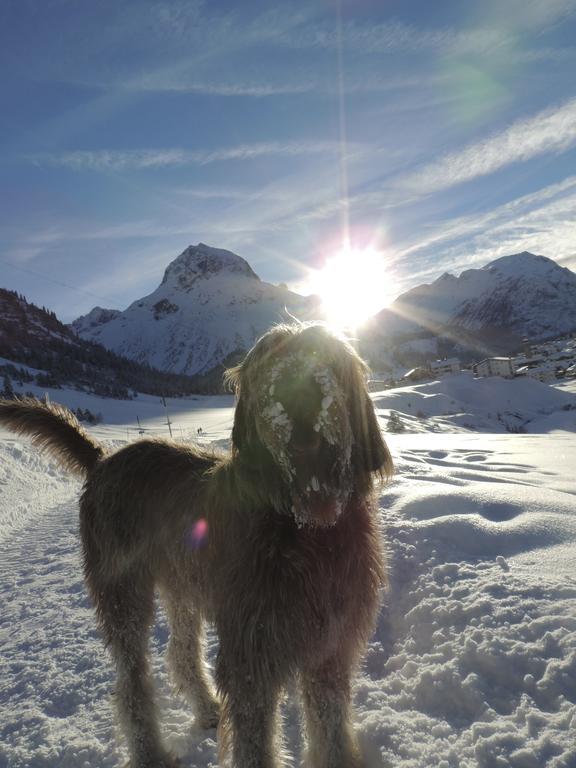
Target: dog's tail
(55, 430)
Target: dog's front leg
(330, 734)
(249, 717)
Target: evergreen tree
(7, 389)
(395, 424)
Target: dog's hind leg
(330, 735)
(186, 660)
(126, 611)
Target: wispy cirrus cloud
(542, 222)
(160, 83)
(229, 193)
(212, 32)
(530, 14)
(192, 46)
(393, 36)
(196, 48)
(170, 82)
(143, 159)
(549, 131)
(554, 197)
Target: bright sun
(353, 285)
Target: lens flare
(354, 284)
(199, 533)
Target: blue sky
(129, 130)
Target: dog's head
(304, 417)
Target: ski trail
(25, 494)
(55, 679)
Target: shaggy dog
(277, 544)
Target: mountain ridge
(523, 293)
(211, 306)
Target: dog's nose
(304, 444)
(304, 439)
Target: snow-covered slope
(209, 305)
(525, 294)
(462, 403)
(457, 403)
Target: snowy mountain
(96, 317)
(209, 306)
(522, 294)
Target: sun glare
(353, 285)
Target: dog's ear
(369, 450)
(240, 429)
(246, 442)
(241, 424)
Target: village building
(444, 367)
(545, 372)
(416, 375)
(495, 366)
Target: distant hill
(209, 308)
(33, 337)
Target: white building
(545, 372)
(444, 367)
(495, 366)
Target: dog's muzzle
(304, 423)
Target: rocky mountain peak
(97, 316)
(523, 264)
(202, 261)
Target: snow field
(462, 403)
(473, 662)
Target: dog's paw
(209, 717)
(164, 761)
(169, 762)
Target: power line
(59, 282)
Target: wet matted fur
(290, 563)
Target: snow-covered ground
(473, 663)
(462, 403)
